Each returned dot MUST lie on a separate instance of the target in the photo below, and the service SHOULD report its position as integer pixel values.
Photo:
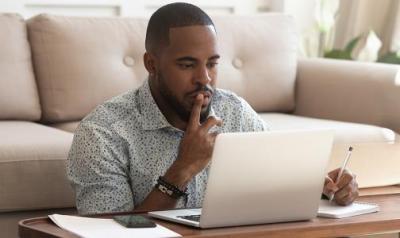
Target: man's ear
(149, 63)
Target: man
(149, 148)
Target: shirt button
(129, 61)
(237, 63)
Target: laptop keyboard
(191, 218)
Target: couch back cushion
(259, 59)
(80, 62)
(19, 99)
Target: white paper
(331, 210)
(99, 228)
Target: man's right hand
(195, 149)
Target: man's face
(187, 67)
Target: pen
(332, 196)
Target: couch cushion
(345, 132)
(375, 159)
(18, 92)
(66, 126)
(80, 62)
(32, 167)
(259, 59)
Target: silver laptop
(261, 177)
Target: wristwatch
(169, 189)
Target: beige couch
(54, 70)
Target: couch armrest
(349, 91)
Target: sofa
(54, 70)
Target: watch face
(165, 189)
(169, 189)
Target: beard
(181, 110)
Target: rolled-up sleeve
(98, 169)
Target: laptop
(261, 177)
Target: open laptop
(261, 177)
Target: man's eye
(185, 66)
(212, 65)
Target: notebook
(331, 210)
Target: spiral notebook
(331, 210)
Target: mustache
(205, 88)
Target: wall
(144, 8)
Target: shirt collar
(152, 117)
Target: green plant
(318, 41)
(390, 58)
(343, 54)
(361, 42)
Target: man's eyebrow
(186, 58)
(189, 58)
(214, 57)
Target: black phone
(134, 221)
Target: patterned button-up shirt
(122, 147)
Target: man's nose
(203, 76)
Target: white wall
(301, 10)
(143, 8)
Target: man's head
(181, 57)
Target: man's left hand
(345, 190)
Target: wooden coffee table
(385, 221)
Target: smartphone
(134, 221)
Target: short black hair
(172, 15)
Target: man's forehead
(193, 33)
(192, 28)
(190, 37)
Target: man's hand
(195, 149)
(345, 190)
